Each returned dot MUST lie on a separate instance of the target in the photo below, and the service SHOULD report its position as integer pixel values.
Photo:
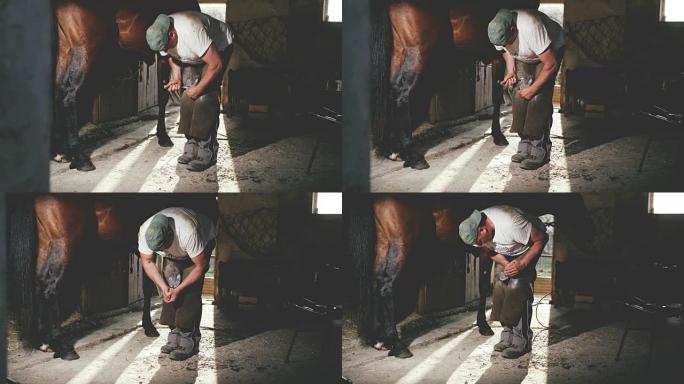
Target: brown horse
(92, 34)
(414, 42)
(48, 235)
(397, 243)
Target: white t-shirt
(536, 32)
(196, 31)
(512, 229)
(192, 233)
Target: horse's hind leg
(68, 86)
(50, 271)
(163, 72)
(485, 270)
(385, 275)
(497, 98)
(148, 291)
(414, 36)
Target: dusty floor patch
(255, 155)
(580, 348)
(587, 155)
(235, 350)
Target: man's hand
(527, 93)
(173, 85)
(514, 268)
(509, 80)
(193, 92)
(166, 293)
(172, 296)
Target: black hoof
(500, 140)
(83, 165)
(151, 332)
(485, 330)
(165, 141)
(67, 355)
(400, 353)
(418, 164)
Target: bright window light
(329, 203)
(333, 10)
(667, 203)
(671, 10)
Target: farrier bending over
(514, 240)
(184, 239)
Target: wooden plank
(147, 86)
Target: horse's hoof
(83, 166)
(500, 140)
(380, 346)
(151, 332)
(165, 141)
(485, 330)
(401, 353)
(394, 156)
(417, 164)
(68, 355)
(60, 158)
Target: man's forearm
(175, 69)
(510, 62)
(500, 259)
(532, 254)
(194, 276)
(544, 76)
(209, 75)
(152, 272)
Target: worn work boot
(513, 353)
(189, 152)
(188, 346)
(207, 152)
(523, 151)
(538, 157)
(502, 345)
(171, 343)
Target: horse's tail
(21, 265)
(380, 54)
(360, 224)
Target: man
(199, 48)
(514, 240)
(185, 240)
(532, 46)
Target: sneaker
(180, 354)
(519, 157)
(512, 353)
(502, 345)
(533, 163)
(171, 343)
(189, 152)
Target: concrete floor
(587, 155)
(580, 348)
(255, 155)
(243, 349)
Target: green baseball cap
(468, 227)
(159, 232)
(157, 34)
(500, 27)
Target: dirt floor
(587, 155)
(243, 349)
(580, 347)
(256, 154)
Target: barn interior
(617, 120)
(607, 307)
(281, 110)
(271, 307)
